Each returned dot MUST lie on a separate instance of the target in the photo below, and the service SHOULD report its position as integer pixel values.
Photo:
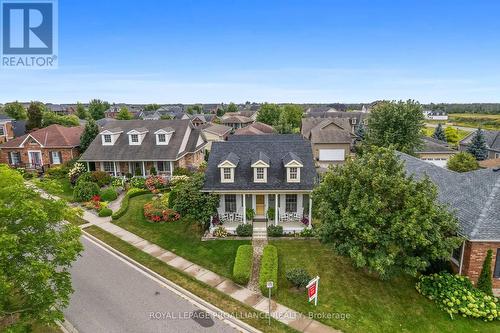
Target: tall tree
(360, 131)
(97, 108)
(439, 133)
(35, 115)
(477, 146)
(50, 118)
(81, 112)
(484, 282)
(396, 124)
(269, 114)
(15, 110)
(89, 133)
(36, 252)
(294, 114)
(124, 114)
(381, 219)
(151, 107)
(462, 162)
(232, 107)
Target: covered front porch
(290, 210)
(134, 168)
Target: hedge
(243, 264)
(268, 269)
(133, 192)
(104, 212)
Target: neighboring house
(236, 121)
(492, 139)
(46, 147)
(474, 198)
(19, 127)
(491, 163)
(256, 128)
(435, 151)
(354, 117)
(268, 173)
(135, 146)
(6, 128)
(57, 108)
(435, 115)
(331, 139)
(215, 133)
(156, 115)
(201, 119)
(252, 114)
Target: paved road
(112, 296)
(467, 129)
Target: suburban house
(214, 133)
(331, 139)
(252, 114)
(200, 119)
(474, 197)
(46, 147)
(273, 175)
(257, 128)
(354, 117)
(6, 128)
(135, 146)
(492, 139)
(435, 151)
(236, 121)
(435, 115)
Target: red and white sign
(312, 290)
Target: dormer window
(294, 173)
(134, 137)
(227, 167)
(293, 164)
(227, 174)
(110, 136)
(163, 135)
(107, 138)
(260, 164)
(162, 138)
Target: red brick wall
(474, 255)
(192, 159)
(9, 134)
(66, 154)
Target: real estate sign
(312, 290)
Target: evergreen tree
(35, 115)
(89, 133)
(484, 282)
(478, 147)
(439, 133)
(232, 107)
(360, 131)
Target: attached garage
(332, 154)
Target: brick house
(474, 197)
(135, 146)
(6, 128)
(46, 147)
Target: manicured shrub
(250, 214)
(275, 231)
(138, 182)
(133, 192)
(268, 268)
(298, 277)
(101, 178)
(104, 212)
(307, 232)
(84, 191)
(117, 182)
(244, 230)
(456, 295)
(271, 213)
(108, 194)
(57, 172)
(243, 264)
(84, 177)
(220, 232)
(484, 282)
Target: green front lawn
(182, 237)
(373, 305)
(60, 187)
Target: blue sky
(277, 51)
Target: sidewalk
(254, 299)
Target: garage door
(331, 154)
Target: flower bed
(158, 211)
(155, 184)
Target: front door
(259, 205)
(35, 159)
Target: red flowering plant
(95, 200)
(155, 183)
(154, 212)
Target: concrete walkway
(254, 299)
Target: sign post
(312, 290)
(269, 285)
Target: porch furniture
(230, 216)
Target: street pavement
(113, 296)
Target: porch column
(310, 211)
(143, 169)
(114, 168)
(244, 209)
(276, 209)
(88, 166)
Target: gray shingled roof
(431, 145)
(148, 150)
(473, 196)
(275, 147)
(231, 157)
(492, 139)
(260, 156)
(291, 156)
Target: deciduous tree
(451, 134)
(462, 162)
(15, 110)
(124, 114)
(36, 253)
(97, 108)
(396, 124)
(269, 114)
(81, 112)
(35, 115)
(381, 219)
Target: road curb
(200, 302)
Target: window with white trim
(108, 167)
(2, 131)
(259, 174)
(456, 255)
(56, 157)
(291, 203)
(230, 203)
(134, 138)
(163, 166)
(107, 138)
(227, 173)
(293, 173)
(15, 158)
(162, 138)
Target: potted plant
(250, 213)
